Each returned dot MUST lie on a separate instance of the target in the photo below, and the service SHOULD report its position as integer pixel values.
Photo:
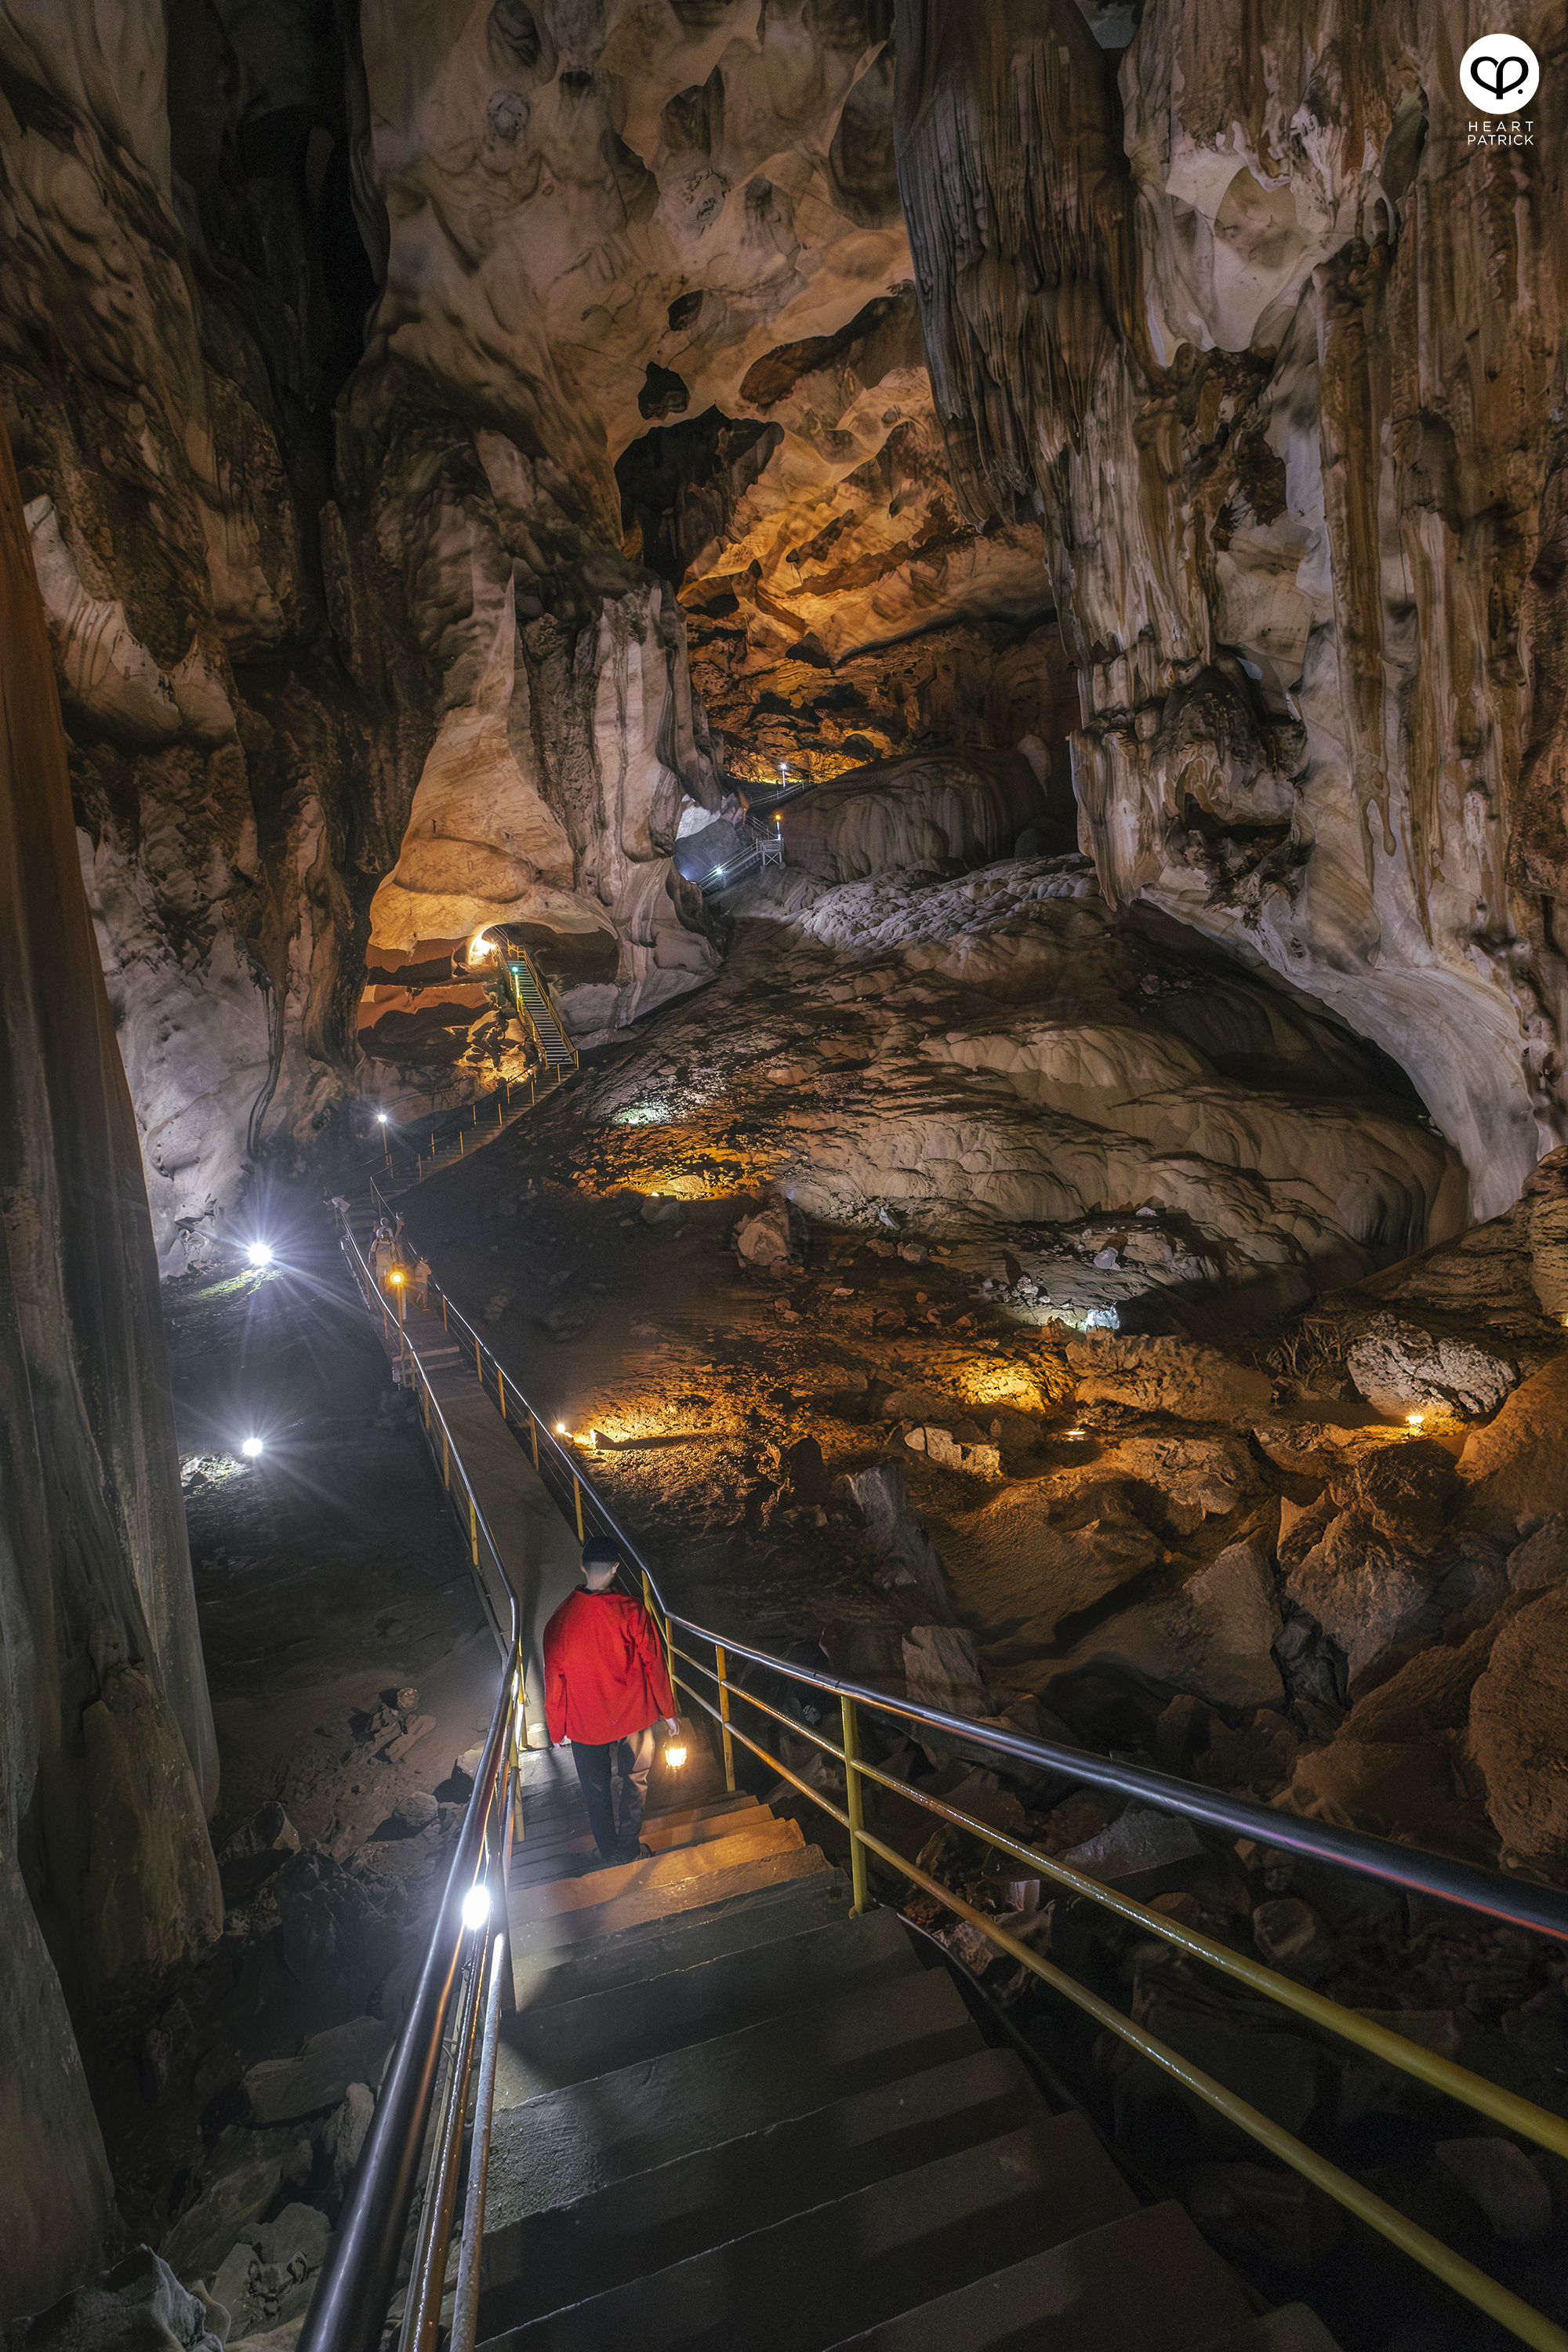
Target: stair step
(572, 1857)
(551, 1898)
(536, 1940)
(1144, 2284)
(714, 2195)
(555, 2146)
(792, 2287)
(696, 1822)
(603, 2030)
(744, 1922)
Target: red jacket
(604, 1671)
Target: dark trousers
(633, 1759)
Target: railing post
(852, 1806)
(446, 1459)
(473, 1530)
(479, 1368)
(577, 1499)
(500, 1390)
(725, 1720)
(534, 1437)
(443, 1310)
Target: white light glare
(381, 1118)
(251, 1448)
(476, 1906)
(259, 1252)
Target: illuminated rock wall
(107, 1749)
(1275, 357)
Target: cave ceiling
(463, 444)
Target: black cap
(601, 1552)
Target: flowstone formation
(1274, 354)
(108, 1757)
(1130, 1130)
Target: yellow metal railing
(1487, 2294)
(1541, 1911)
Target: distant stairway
(538, 1011)
(727, 2114)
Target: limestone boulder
(239, 2178)
(1398, 1366)
(1365, 1595)
(140, 2302)
(769, 1238)
(895, 1531)
(1517, 1467)
(1198, 1478)
(952, 1449)
(279, 2090)
(941, 1670)
(1431, 1692)
(343, 2135)
(1519, 1731)
(1388, 1787)
(1214, 1639)
(1168, 1376)
(1023, 1568)
(1402, 1485)
(1542, 1557)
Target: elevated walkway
(720, 2098)
(730, 2112)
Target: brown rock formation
(106, 1738)
(1275, 354)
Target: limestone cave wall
(1238, 309)
(108, 1757)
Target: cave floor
(329, 1573)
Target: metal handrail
(1500, 2303)
(1540, 1910)
(348, 2311)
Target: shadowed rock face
(107, 1748)
(1227, 314)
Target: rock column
(108, 1756)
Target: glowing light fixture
(259, 1252)
(251, 1448)
(1077, 1433)
(561, 1428)
(675, 1754)
(381, 1118)
(398, 1274)
(1414, 1419)
(481, 950)
(476, 1906)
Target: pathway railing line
(1540, 1910)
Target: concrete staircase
(729, 2114)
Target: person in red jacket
(606, 1683)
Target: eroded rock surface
(108, 1756)
(1185, 322)
(1125, 1112)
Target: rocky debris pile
(268, 2276)
(138, 2302)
